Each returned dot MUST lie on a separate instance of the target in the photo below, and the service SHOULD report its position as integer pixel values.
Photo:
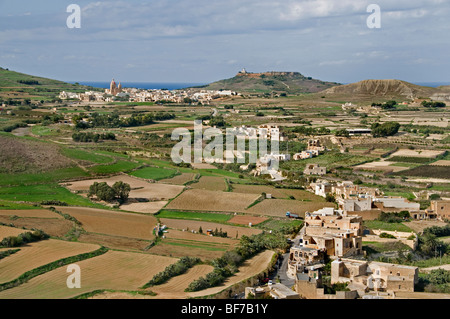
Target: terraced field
(38, 254)
(113, 270)
(113, 223)
(206, 200)
(233, 231)
(279, 207)
(250, 268)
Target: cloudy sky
(201, 41)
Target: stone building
(441, 208)
(365, 276)
(314, 169)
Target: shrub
(386, 235)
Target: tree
(121, 190)
(385, 129)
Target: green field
(44, 130)
(120, 166)
(38, 193)
(155, 173)
(376, 224)
(82, 155)
(4, 204)
(206, 217)
(40, 178)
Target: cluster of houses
(333, 234)
(370, 202)
(139, 95)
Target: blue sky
(208, 40)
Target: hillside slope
(17, 85)
(393, 89)
(267, 82)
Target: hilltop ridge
(270, 81)
(383, 88)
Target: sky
(201, 41)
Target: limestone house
(365, 276)
(314, 169)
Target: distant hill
(17, 85)
(267, 82)
(386, 89)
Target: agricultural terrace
(173, 289)
(9, 231)
(40, 253)
(30, 213)
(232, 231)
(279, 207)
(139, 188)
(214, 201)
(113, 223)
(249, 268)
(114, 270)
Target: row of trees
(433, 104)
(119, 191)
(92, 137)
(176, 269)
(114, 120)
(228, 264)
(22, 239)
(387, 105)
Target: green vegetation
(119, 191)
(155, 173)
(385, 129)
(39, 178)
(207, 217)
(6, 253)
(406, 159)
(284, 226)
(91, 137)
(376, 224)
(120, 166)
(431, 171)
(22, 239)
(176, 269)
(437, 281)
(386, 235)
(229, 263)
(44, 192)
(82, 155)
